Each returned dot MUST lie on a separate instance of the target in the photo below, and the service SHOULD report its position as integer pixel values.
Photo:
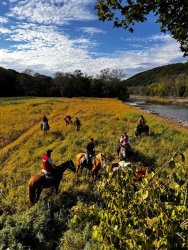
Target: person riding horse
(48, 168)
(90, 151)
(141, 127)
(45, 126)
(68, 119)
(124, 144)
(142, 121)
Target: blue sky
(51, 36)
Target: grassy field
(22, 145)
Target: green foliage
(146, 215)
(172, 15)
(171, 87)
(35, 229)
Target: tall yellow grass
(23, 143)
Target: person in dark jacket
(77, 123)
(90, 151)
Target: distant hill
(153, 75)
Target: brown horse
(97, 163)
(39, 181)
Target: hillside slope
(65, 222)
(153, 75)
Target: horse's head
(101, 158)
(71, 166)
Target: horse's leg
(81, 169)
(77, 170)
(38, 192)
(32, 195)
(56, 188)
(93, 176)
(147, 130)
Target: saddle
(49, 179)
(88, 165)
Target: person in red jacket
(47, 165)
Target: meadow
(65, 222)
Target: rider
(48, 166)
(90, 151)
(141, 126)
(45, 119)
(124, 142)
(142, 121)
(124, 139)
(78, 124)
(68, 117)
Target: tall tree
(171, 14)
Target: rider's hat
(49, 151)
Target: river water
(177, 112)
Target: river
(177, 112)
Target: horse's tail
(31, 190)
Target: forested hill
(154, 75)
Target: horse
(97, 162)
(45, 127)
(124, 152)
(40, 181)
(141, 129)
(68, 120)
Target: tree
(111, 83)
(30, 72)
(172, 14)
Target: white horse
(45, 127)
(122, 165)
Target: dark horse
(39, 181)
(141, 129)
(68, 120)
(97, 162)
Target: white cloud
(40, 43)
(45, 50)
(146, 40)
(92, 30)
(3, 19)
(4, 31)
(51, 11)
(156, 55)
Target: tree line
(108, 83)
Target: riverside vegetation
(108, 214)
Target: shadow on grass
(145, 160)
